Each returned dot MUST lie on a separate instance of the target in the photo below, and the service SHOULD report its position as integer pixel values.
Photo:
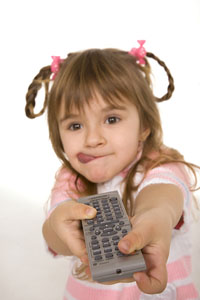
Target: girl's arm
(158, 208)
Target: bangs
(86, 74)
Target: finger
(77, 247)
(84, 259)
(153, 281)
(72, 210)
(88, 272)
(73, 238)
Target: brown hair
(115, 75)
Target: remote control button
(90, 222)
(97, 232)
(121, 223)
(109, 222)
(107, 230)
(107, 250)
(108, 214)
(104, 201)
(108, 255)
(118, 228)
(116, 206)
(97, 252)
(106, 226)
(116, 237)
(113, 199)
(124, 231)
(109, 233)
(117, 211)
(120, 254)
(95, 247)
(106, 244)
(92, 228)
(94, 242)
(119, 216)
(115, 243)
(109, 218)
(107, 210)
(96, 206)
(95, 202)
(93, 237)
(99, 222)
(104, 240)
(98, 257)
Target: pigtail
(43, 77)
(170, 87)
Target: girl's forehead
(96, 102)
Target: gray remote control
(102, 235)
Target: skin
(158, 207)
(101, 134)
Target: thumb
(143, 236)
(136, 239)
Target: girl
(105, 127)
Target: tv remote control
(102, 235)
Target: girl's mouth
(85, 158)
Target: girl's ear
(144, 135)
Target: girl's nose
(94, 137)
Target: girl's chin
(97, 178)
(95, 172)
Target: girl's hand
(158, 208)
(152, 233)
(62, 230)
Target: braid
(170, 87)
(42, 77)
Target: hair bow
(55, 66)
(139, 52)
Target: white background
(32, 31)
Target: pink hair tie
(139, 52)
(55, 66)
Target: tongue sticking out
(84, 158)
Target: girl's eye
(75, 126)
(112, 120)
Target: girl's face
(102, 140)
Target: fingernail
(90, 212)
(125, 245)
